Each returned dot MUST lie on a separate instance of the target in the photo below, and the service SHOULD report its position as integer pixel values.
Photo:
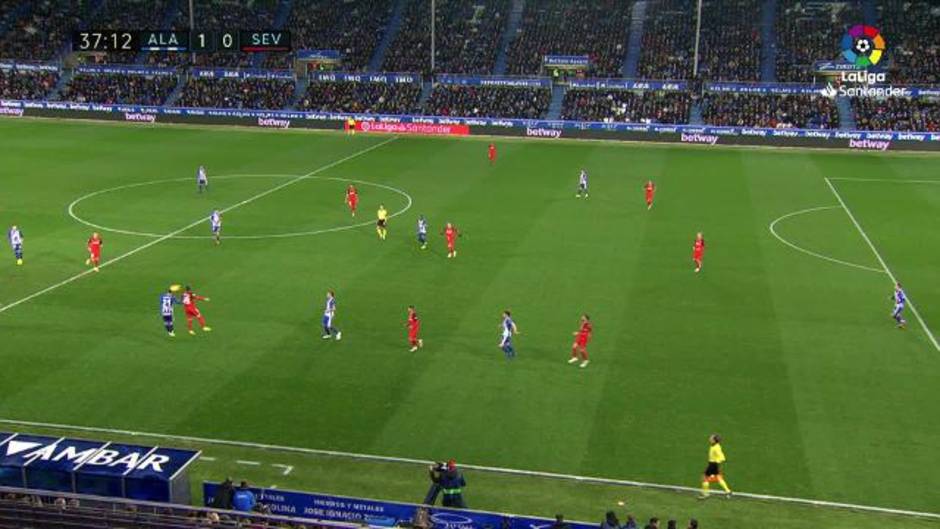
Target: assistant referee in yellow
(716, 456)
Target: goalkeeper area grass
(783, 344)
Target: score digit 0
(228, 41)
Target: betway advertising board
(102, 468)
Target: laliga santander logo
(863, 46)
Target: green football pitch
(783, 343)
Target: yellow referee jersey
(382, 213)
(716, 454)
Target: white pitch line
(891, 180)
(206, 458)
(481, 468)
(252, 463)
(193, 224)
(884, 265)
(285, 469)
(773, 232)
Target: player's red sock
(202, 322)
(584, 355)
(189, 322)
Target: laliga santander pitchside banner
(426, 129)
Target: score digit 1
(201, 41)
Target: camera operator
(435, 472)
(452, 484)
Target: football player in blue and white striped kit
(215, 221)
(899, 301)
(167, 300)
(423, 232)
(202, 179)
(329, 311)
(509, 329)
(582, 184)
(15, 236)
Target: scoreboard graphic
(244, 41)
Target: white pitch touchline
(884, 265)
(194, 224)
(773, 231)
(499, 470)
(253, 463)
(71, 208)
(891, 180)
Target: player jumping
(192, 311)
(167, 300)
(716, 457)
(650, 188)
(215, 221)
(582, 337)
(450, 234)
(414, 327)
(202, 179)
(15, 236)
(328, 312)
(423, 232)
(582, 184)
(352, 198)
(900, 299)
(509, 329)
(94, 251)
(491, 153)
(698, 251)
(381, 225)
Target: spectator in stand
(128, 14)
(16, 84)
(243, 499)
(811, 31)
(223, 495)
(113, 89)
(488, 101)
(362, 98)
(467, 37)
(626, 106)
(596, 28)
(668, 40)
(42, 34)
(897, 113)
(654, 523)
(911, 27)
(731, 40)
(630, 523)
(267, 94)
(770, 111)
(352, 27)
(610, 521)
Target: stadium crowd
(26, 85)
(668, 40)
(611, 106)
(913, 26)
(770, 111)
(43, 33)
(897, 113)
(490, 101)
(596, 28)
(352, 27)
(264, 94)
(114, 89)
(730, 47)
(344, 96)
(128, 14)
(467, 37)
(808, 32)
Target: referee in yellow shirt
(716, 456)
(381, 227)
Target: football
(175, 288)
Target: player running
(509, 330)
(94, 251)
(716, 457)
(381, 225)
(352, 199)
(423, 232)
(192, 311)
(582, 337)
(328, 312)
(15, 236)
(650, 189)
(491, 153)
(202, 179)
(414, 327)
(450, 234)
(582, 184)
(900, 300)
(698, 251)
(215, 222)
(167, 300)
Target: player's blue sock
(169, 327)
(326, 331)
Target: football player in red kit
(491, 154)
(650, 188)
(352, 198)
(582, 337)
(189, 305)
(698, 251)
(414, 327)
(94, 251)
(451, 234)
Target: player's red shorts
(353, 202)
(581, 341)
(412, 335)
(95, 254)
(192, 311)
(697, 256)
(649, 197)
(451, 243)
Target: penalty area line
(884, 265)
(191, 225)
(480, 468)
